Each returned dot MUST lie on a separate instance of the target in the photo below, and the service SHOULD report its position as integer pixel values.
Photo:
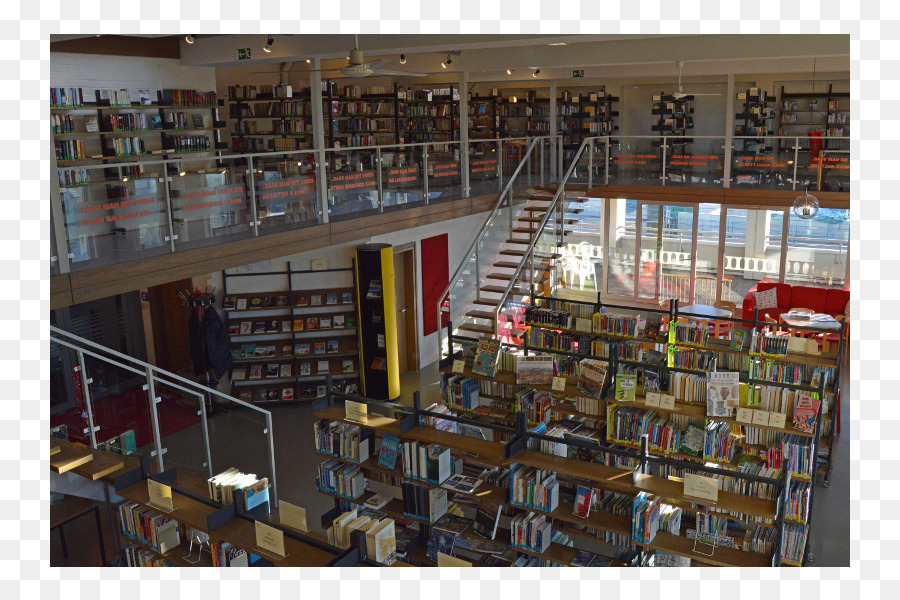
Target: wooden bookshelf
(176, 556)
(722, 557)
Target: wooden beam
(740, 197)
(122, 45)
(60, 291)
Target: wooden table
(702, 312)
(70, 508)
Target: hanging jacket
(209, 343)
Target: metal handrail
(480, 236)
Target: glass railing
(127, 211)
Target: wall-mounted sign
(242, 54)
(577, 72)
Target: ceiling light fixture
(188, 38)
(559, 44)
(447, 62)
(402, 59)
(806, 206)
(269, 42)
(535, 74)
(307, 61)
(509, 72)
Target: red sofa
(822, 300)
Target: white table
(702, 312)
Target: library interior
(449, 300)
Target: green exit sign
(242, 53)
(578, 73)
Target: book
(246, 327)
(272, 394)
(241, 304)
(346, 297)
(246, 395)
(651, 381)
(259, 327)
(287, 393)
(285, 370)
(486, 522)
(239, 373)
(285, 326)
(347, 366)
(321, 391)
(582, 507)
(272, 326)
(379, 340)
(301, 349)
(626, 385)
(312, 323)
(228, 303)
(298, 324)
(461, 483)
(331, 298)
(269, 301)
(806, 412)
(692, 442)
(376, 315)
(315, 300)
(374, 289)
(234, 328)
(197, 119)
(256, 302)
(737, 339)
(255, 371)
(651, 329)
(155, 122)
(286, 350)
(302, 301)
(332, 346)
(379, 364)
(325, 323)
(350, 323)
(260, 351)
(486, 355)
(722, 393)
(583, 559)
(338, 322)
(318, 347)
(390, 448)
(270, 351)
(535, 370)
(377, 501)
(272, 370)
(592, 377)
(281, 301)
(145, 98)
(305, 369)
(322, 367)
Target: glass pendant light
(806, 206)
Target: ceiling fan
(680, 93)
(357, 66)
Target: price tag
(584, 325)
(292, 516)
(667, 401)
(459, 366)
(559, 384)
(160, 495)
(777, 419)
(701, 487)
(269, 538)
(356, 411)
(652, 399)
(745, 415)
(760, 417)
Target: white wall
(461, 232)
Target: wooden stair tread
(512, 252)
(496, 289)
(539, 219)
(481, 314)
(477, 328)
(486, 302)
(69, 457)
(503, 264)
(514, 241)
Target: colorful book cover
(583, 559)
(535, 370)
(348, 366)
(246, 327)
(315, 300)
(486, 355)
(312, 322)
(241, 304)
(346, 297)
(722, 393)
(287, 393)
(331, 298)
(592, 377)
(737, 340)
(332, 346)
(301, 349)
(390, 447)
(806, 412)
(257, 493)
(338, 322)
(582, 507)
(302, 301)
(626, 385)
(319, 348)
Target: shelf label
(667, 401)
(445, 560)
(701, 487)
(652, 399)
(292, 516)
(459, 366)
(559, 384)
(318, 264)
(160, 495)
(356, 411)
(269, 538)
(584, 325)
(777, 419)
(760, 417)
(745, 415)
(242, 54)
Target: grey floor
(239, 441)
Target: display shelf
(176, 556)
(596, 519)
(571, 388)
(722, 557)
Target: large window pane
(620, 262)
(817, 249)
(707, 260)
(752, 250)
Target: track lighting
(189, 39)
(448, 61)
(308, 61)
(269, 42)
(535, 74)
(509, 71)
(402, 59)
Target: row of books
(381, 535)
(272, 370)
(769, 343)
(188, 143)
(688, 333)
(128, 146)
(225, 554)
(285, 108)
(126, 122)
(624, 349)
(140, 557)
(531, 531)
(342, 439)
(224, 486)
(797, 508)
(341, 479)
(424, 502)
(629, 424)
(688, 387)
(66, 97)
(73, 177)
(645, 518)
(793, 543)
(62, 123)
(534, 488)
(149, 527)
(720, 443)
(248, 351)
(174, 97)
(70, 149)
(282, 301)
(286, 326)
(461, 392)
(428, 462)
(700, 360)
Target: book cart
(197, 516)
(304, 335)
(523, 448)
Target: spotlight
(181, 173)
(535, 74)
(269, 42)
(513, 99)
(188, 38)
(124, 179)
(402, 59)
(448, 61)
(308, 61)
(509, 71)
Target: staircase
(515, 252)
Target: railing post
(796, 160)
(665, 148)
(205, 425)
(477, 273)
(271, 435)
(500, 162)
(606, 169)
(591, 164)
(154, 417)
(425, 170)
(85, 383)
(378, 175)
(254, 218)
(171, 222)
(541, 144)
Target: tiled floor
(242, 443)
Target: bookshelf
(755, 119)
(428, 115)
(484, 122)
(675, 119)
(269, 118)
(377, 321)
(585, 114)
(287, 343)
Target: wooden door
(170, 326)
